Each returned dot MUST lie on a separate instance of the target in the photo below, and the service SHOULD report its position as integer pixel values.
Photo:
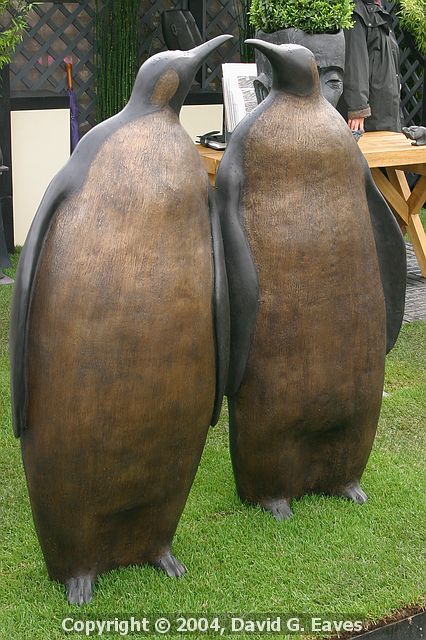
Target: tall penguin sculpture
(119, 336)
(316, 274)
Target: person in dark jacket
(371, 84)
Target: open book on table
(239, 97)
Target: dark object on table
(329, 52)
(119, 336)
(358, 134)
(74, 132)
(4, 257)
(316, 271)
(213, 140)
(180, 31)
(416, 134)
(371, 84)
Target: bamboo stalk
(116, 55)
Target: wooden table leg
(401, 185)
(407, 204)
(391, 193)
(415, 227)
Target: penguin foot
(171, 567)
(280, 509)
(354, 492)
(79, 590)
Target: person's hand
(355, 124)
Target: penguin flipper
(220, 310)
(392, 258)
(241, 271)
(25, 275)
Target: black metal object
(4, 258)
(6, 205)
(180, 31)
(37, 100)
(213, 17)
(198, 10)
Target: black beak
(189, 64)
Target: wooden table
(396, 155)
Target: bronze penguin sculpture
(316, 273)
(119, 336)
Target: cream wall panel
(40, 147)
(199, 119)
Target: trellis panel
(412, 70)
(58, 30)
(220, 18)
(152, 38)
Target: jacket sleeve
(356, 78)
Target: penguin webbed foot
(170, 565)
(280, 508)
(79, 590)
(354, 492)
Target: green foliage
(412, 14)
(312, 16)
(117, 46)
(245, 29)
(12, 34)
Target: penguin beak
(271, 51)
(202, 52)
(189, 64)
(262, 45)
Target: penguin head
(294, 68)
(166, 78)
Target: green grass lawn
(333, 558)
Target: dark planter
(328, 49)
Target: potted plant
(315, 24)
(412, 15)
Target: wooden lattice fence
(412, 71)
(60, 29)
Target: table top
(390, 149)
(380, 148)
